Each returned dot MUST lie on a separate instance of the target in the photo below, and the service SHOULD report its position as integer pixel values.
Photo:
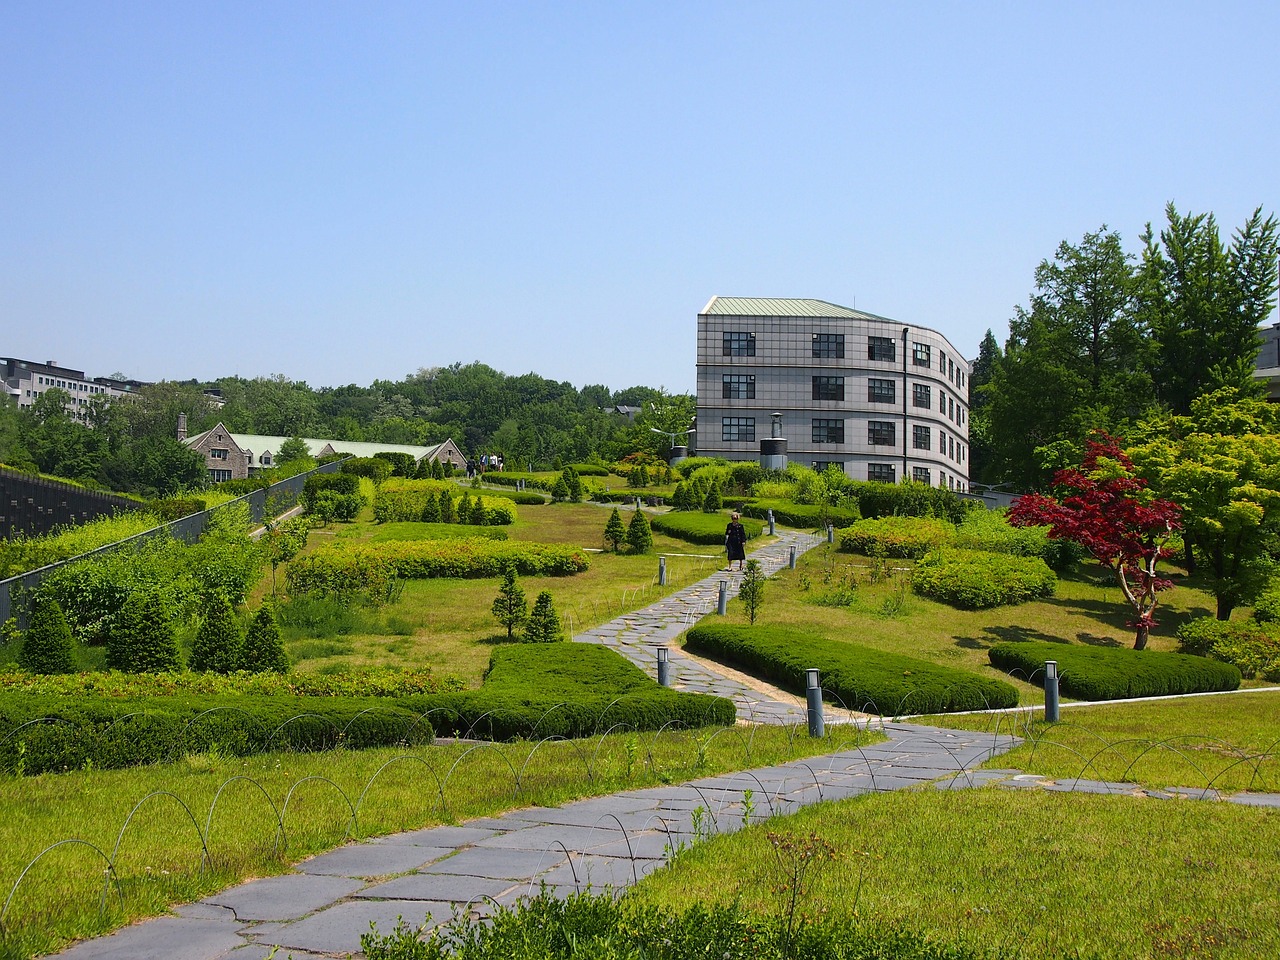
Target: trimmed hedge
(862, 678)
(976, 580)
(907, 499)
(907, 538)
(367, 682)
(1116, 673)
(405, 500)
(113, 733)
(702, 528)
(417, 530)
(803, 515)
(566, 690)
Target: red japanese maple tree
(1105, 508)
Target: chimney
(182, 427)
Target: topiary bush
(639, 533)
(976, 580)
(544, 623)
(802, 515)
(700, 528)
(862, 678)
(47, 645)
(219, 640)
(263, 650)
(1115, 673)
(990, 530)
(1250, 646)
(907, 499)
(141, 638)
(899, 537)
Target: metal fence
(33, 506)
(269, 501)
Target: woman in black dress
(735, 541)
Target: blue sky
(344, 192)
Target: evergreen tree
(141, 640)
(47, 646)
(713, 501)
(574, 484)
(680, 497)
(544, 624)
(559, 490)
(639, 534)
(751, 591)
(477, 516)
(510, 607)
(464, 508)
(263, 650)
(219, 642)
(431, 508)
(615, 531)
(446, 507)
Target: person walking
(735, 541)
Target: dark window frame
(826, 430)
(828, 387)
(884, 349)
(738, 343)
(882, 433)
(880, 390)
(828, 346)
(738, 386)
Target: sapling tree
(510, 607)
(1103, 506)
(751, 591)
(544, 623)
(284, 540)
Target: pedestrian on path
(735, 541)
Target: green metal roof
(781, 307)
(258, 443)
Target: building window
(920, 474)
(828, 346)
(951, 371)
(942, 401)
(881, 433)
(920, 437)
(881, 348)
(266, 459)
(738, 386)
(827, 431)
(880, 391)
(951, 409)
(218, 454)
(738, 429)
(821, 466)
(828, 388)
(219, 476)
(951, 447)
(921, 395)
(739, 344)
(883, 472)
(921, 354)
(942, 441)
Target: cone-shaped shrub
(477, 512)
(639, 535)
(263, 649)
(510, 606)
(48, 645)
(141, 638)
(219, 642)
(615, 531)
(544, 624)
(431, 509)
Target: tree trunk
(1225, 606)
(1140, 641)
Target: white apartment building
(26, 380)
(881, 399)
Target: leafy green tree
(713, 501)
(559, 490)
(464, 508)
(477, 515)
(263, 650)
(615, 531)
(219, 642)
(544, 624)
(447, 514)
(1221, 464)
(510, 608)
(47, 645)
(639, 533)
(140, 639)
(1203, 302)
(292, 450)
(284, 540)
(751, 590)
(574, 484)
(431, 508)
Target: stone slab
(161, 939)
(338, 929)
(497, 864)
(440, 887)
(286, 897)
(372, 860)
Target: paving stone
(338, 929)
(1257, 799)
(372, 860)
(260, 951)
(498, 864)
(446, 836)
(286, 897)
(439, 887)
(161, 939)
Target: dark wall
(32, 506)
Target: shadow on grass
(499, 640)
(1094, 640)
(1009, 634)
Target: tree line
(130, 445)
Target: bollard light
(664, 667)
(817, 723)
(662, 571)
(722, 605)
(791, 558)
(831, 534)
(771, 529)
(1051, 691)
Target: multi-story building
(27, 380)
(880, 399)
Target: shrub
(900, 537)
(544, 623)
(510, 608)
(47, 646)
(175, 508)
(751, 592)
(803, 515)
(975, 580)
(376, 469)
(862, 678)
(263, 650)
(615, 531)
(908, 499)
(402, 464)
(990, 530)
(409, 530)
(141, 638)
(639, 534)
(401, 500)
(1247, 644)
(1116, 673)
(1266, 608)
(219, 641)
(362, 682)
(701, 528)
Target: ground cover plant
(896, 537)
(1021, 873)
(976, 579)
(252, 831)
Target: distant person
(471, 467)
(735, 541)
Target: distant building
(880, 399)
(1267, 367)
(27, 380)
(234, 456)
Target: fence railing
(269, 501)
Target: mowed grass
(1229, 743)
(1031, 873)
(1087, 609)
(450, 625)
(151, 820)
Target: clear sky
(344, 192)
